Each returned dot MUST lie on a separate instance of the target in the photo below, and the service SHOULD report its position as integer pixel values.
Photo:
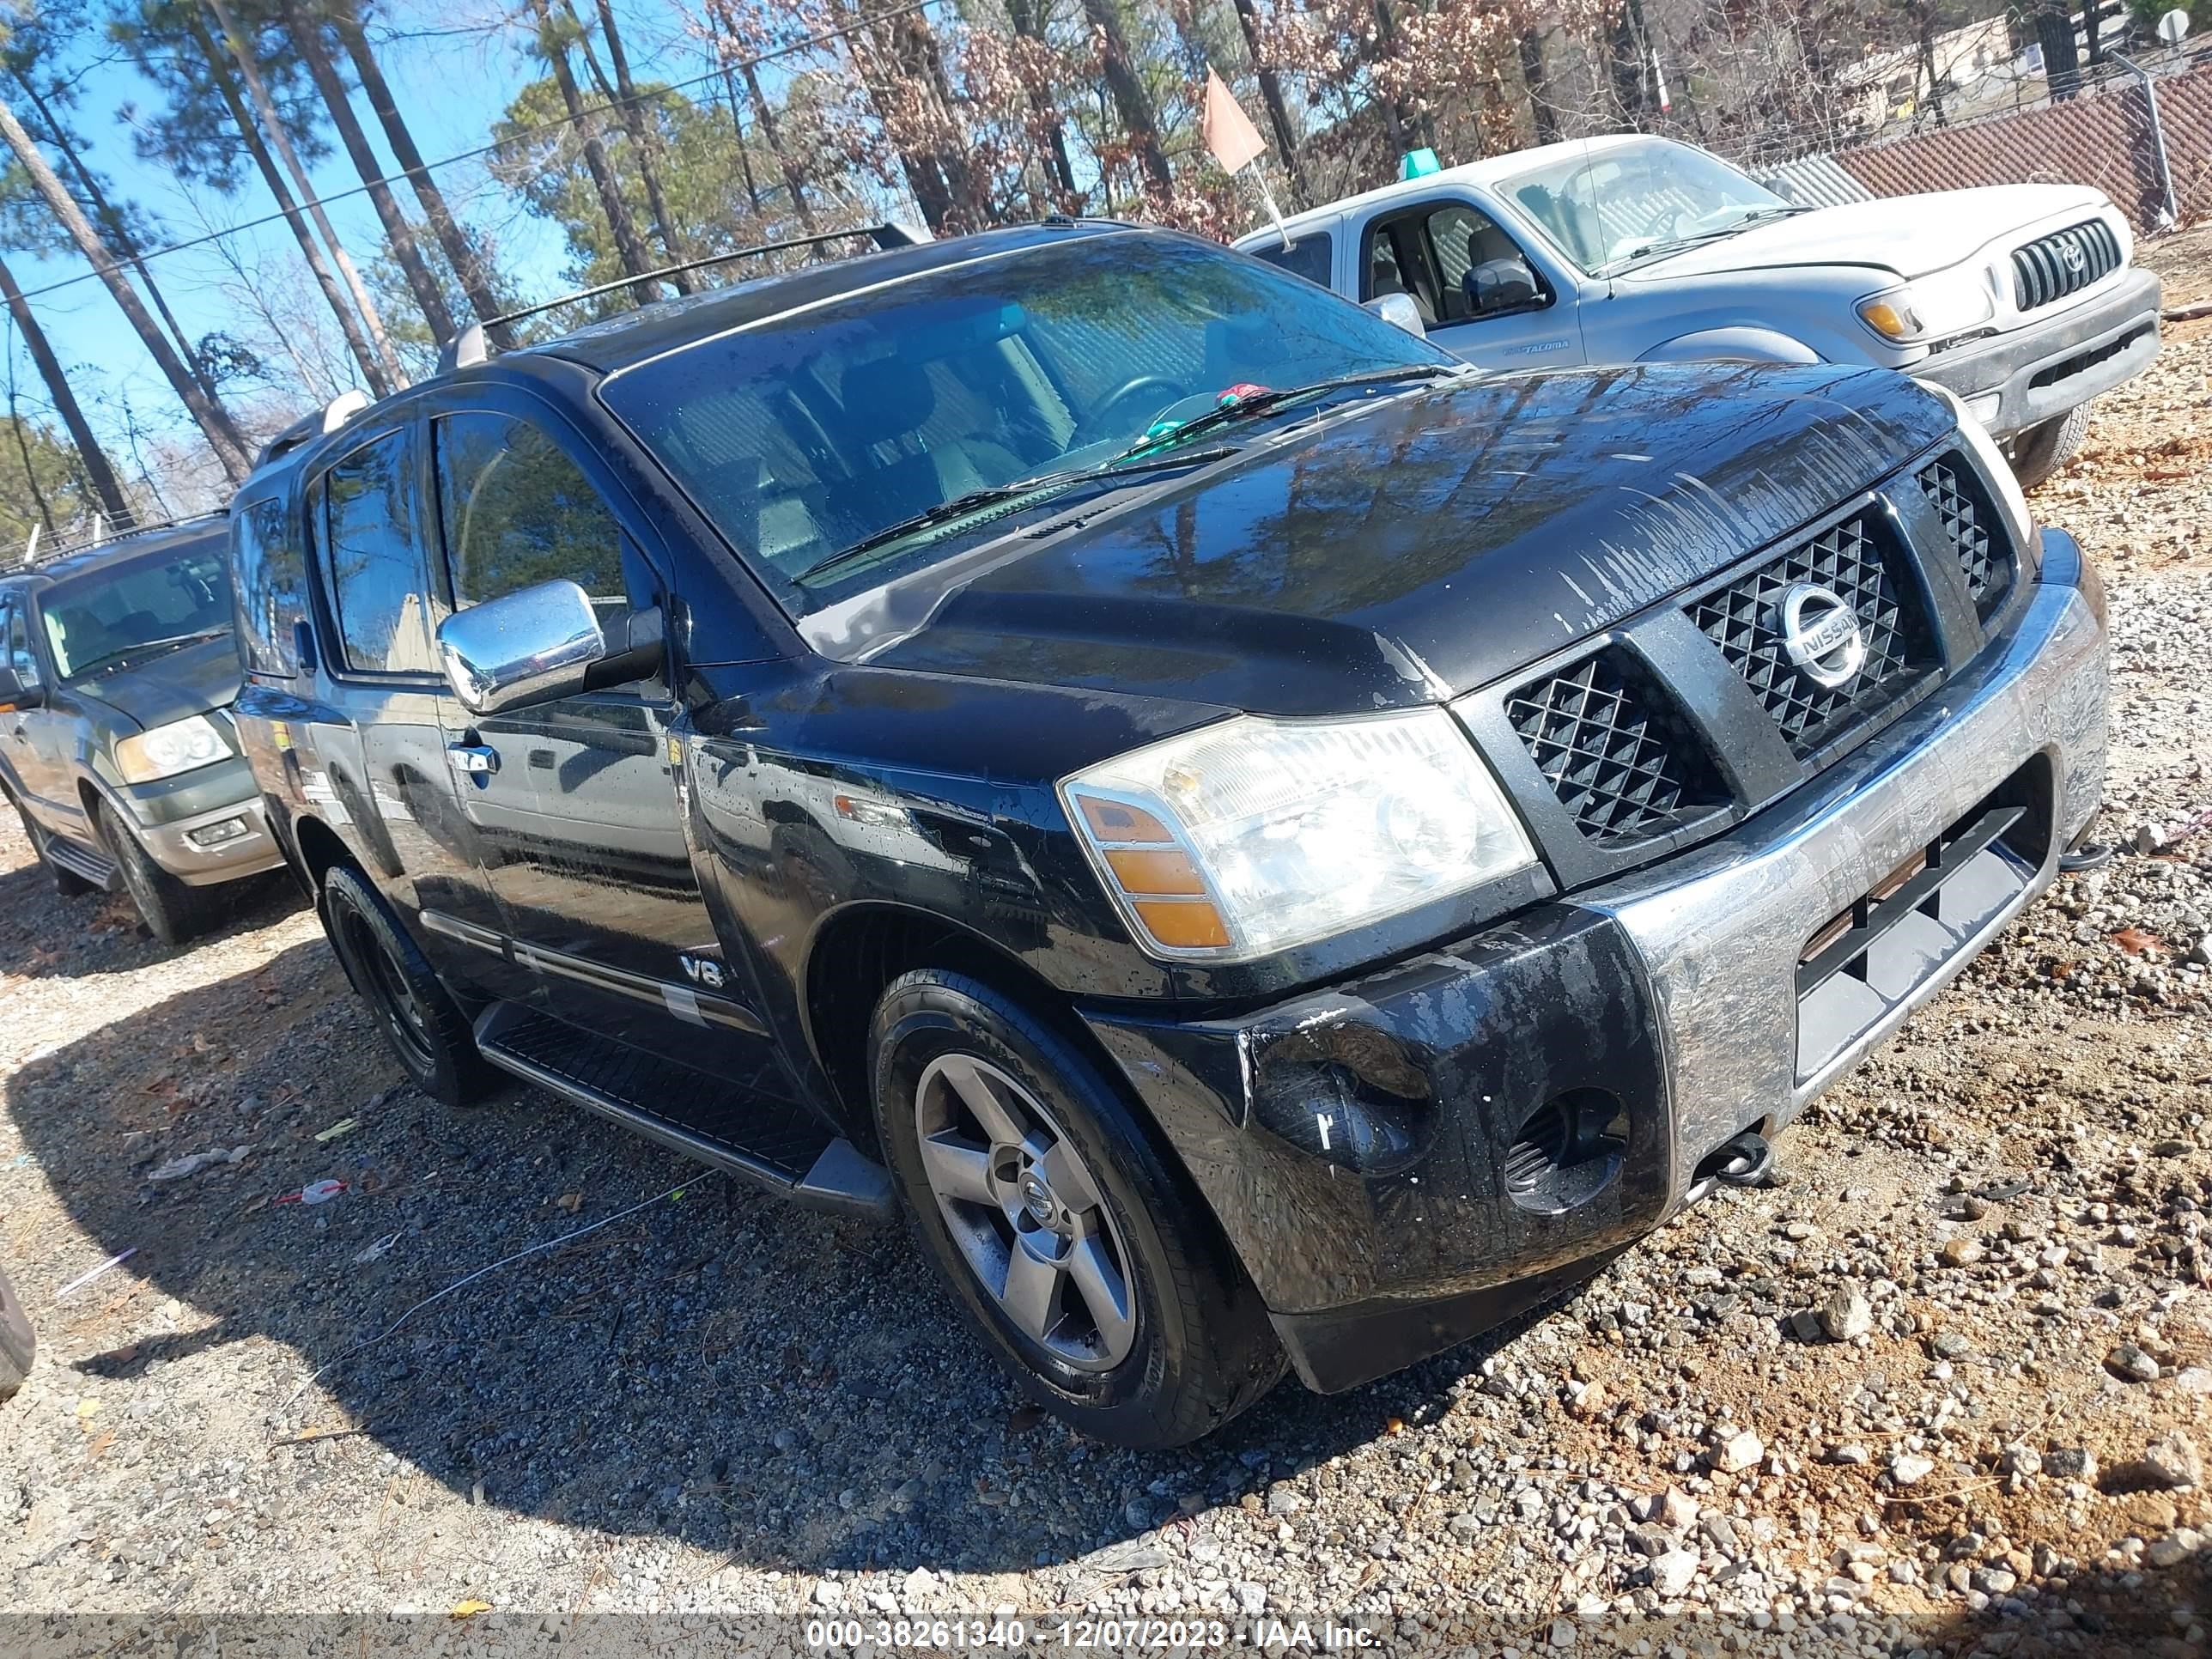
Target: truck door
(576, 801)
(22, 732)
(1480, 294)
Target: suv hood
(1911, 235)
(1411, 551)
(190, 681)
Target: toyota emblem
(1820, 636)
(2071, 254)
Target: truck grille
(1613, 750)
(2065, 262)
(1743, 620)
(1985, 558)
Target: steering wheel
(1667, 223)
(1096, 426)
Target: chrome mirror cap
(530, 646)
(1400, 309)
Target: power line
(517, 136)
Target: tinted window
(21, 657)
(1312, 256)
(129, 612)
(270, 570)
(517, 511)
(378, 580)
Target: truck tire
(67, 882)
(17, 1342)
(2042, 450)
(1077, 1249)
(174, 911)
(423, 1026)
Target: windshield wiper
(118, 658)
(976, 500)
(1676, 244)
(1259, 403)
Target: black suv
(116, 742)
(1271, 845)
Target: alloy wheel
(1025, 1212)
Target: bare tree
(644, 133)
(1132, 101)
(629, 248)
(98, 471)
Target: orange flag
(1228, 131)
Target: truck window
(268, 571)
(20, 656)
(1312, 256)
(1430, 252)
(515, 510)
(1394, 266)
(379, 584)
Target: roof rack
(333, 416)
(106, 533)
(470, 346)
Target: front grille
(1743, 619)
(2065, 262)
(1973, 528)
(1613, 750)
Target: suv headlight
(1257, 835)
(1997, 470)
(1931, 309)
(183, 745)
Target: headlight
(1257, 835)
(1933, 308)
(1996, 472)
(182, 745)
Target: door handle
(473, 758)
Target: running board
(83, 862)
(771, 1142)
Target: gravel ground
(1944, 1389)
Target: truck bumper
(1404, 1160)
(2023, 379)
(205, 826)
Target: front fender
(1741, 345)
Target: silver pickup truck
(2021, 299)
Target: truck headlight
(183, 745)
(1257, 835)
(1996, 472)
(1931, 309)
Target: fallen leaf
(1395, 1426)
(470, 1609)
(2136, 941)
(571, 1202)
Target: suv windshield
(1635, 201)
(118, 613)
(808, 436)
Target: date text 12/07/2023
(1092, 1635)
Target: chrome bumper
(173, 847)
(1720, 930)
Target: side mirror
(14, 694)
(534, 644)
(1503, 285)
(1399, 309)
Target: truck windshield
(115, 613)
(806, 437)
(1623, 203)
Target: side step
(779, 1145)
(81, 861)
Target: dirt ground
(716, 1407)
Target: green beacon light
(1419, 164)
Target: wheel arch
(1743, 344)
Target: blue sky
(451, 81)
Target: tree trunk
(272, 176)
(629, 249)
(306, 34)
(644, 138)
(98, 472)
(222, 432)
(1132, 101)
(1271, 93)
(793, 179)
(460, 253)
(241, 53)
(1537, 78)
(1024, 15)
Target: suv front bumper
(2056, 362)
(1380, 1153)
(204, 826)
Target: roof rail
(471, 346)
(105, 533)
(327, 420)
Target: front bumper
(1375, 1152)
(2054, 364)
(204, 826)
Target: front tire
(421, 1024)
(2043, 449)
(1083, 1256)
(174, 911)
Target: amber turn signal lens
(1883, 318)
(1182, 923)
(1154, 873)
(1118, 821)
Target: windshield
(807, 436)
(115, 612)
(1638, 200)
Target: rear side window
(1312, 256)
(516, 511)
(20, 656)
(379, 582)
(269, 572)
